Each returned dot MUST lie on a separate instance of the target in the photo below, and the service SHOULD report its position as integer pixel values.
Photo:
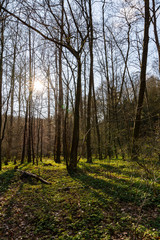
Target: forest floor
(109, 199)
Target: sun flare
(38, 87)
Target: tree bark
(108, 137)
(156, 31)
(60, 98)
(65, 132)
(41, 152)
(56, 107)
(11, 130)
(1, 80)
(49, 114)
(137, 123)
(30, 103)
(72, 165)
(97, 125)
(24, 134)
(88, 130)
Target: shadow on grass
(121, 190)
(29, 207)
(119, 193)
(21, 166)
(6, 180)
(102, 169)
(120, 170)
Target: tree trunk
(56, 108)
(38, 139)
(12, 95)
(32, 138)
(24, 135)
(19, 128)
(41, 153)
(30, 103)
(156, 32)
(65, 132)
(89, 153)
(12, 104)
(97, 125)
(60, 99)
(1, 80)
(49, 115)
(75, 139)
(137, 123)
(108, 137)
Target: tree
(1, 79)
(2, 125)
(11, 130)
(76, 50)
(88, 130)
(60, 92)
(137, 123)
(154, 20)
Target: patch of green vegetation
(109, 199)
(6, 178)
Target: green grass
(104, 200)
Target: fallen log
(47, 164)
(25, 175)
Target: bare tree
(2, 125)
(88, 130)
(154, 20)
(137, 123)
(60, 99)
